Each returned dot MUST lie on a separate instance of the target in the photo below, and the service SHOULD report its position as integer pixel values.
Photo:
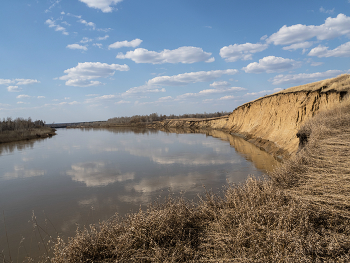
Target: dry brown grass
(320, 172)
(300, 215)
(340, 83)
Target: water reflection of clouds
(88, 202)
(144, 191)
(190, 140)
(22, 172)
(98, 174)
(166, 155)
(195, 159)
(177, 183)
(217, 146)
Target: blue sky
(85, 60)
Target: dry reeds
(301, 214)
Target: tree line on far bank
(155, 117)
(10, 124)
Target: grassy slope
(300, 215)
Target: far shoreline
(26, 134)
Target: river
(51, 186)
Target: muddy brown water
(81, 176)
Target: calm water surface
(79, 177)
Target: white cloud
(67, 103)
(296, 46)
(69, 14)
(103, 5)
(271, 64)
(315, 64)
(76, 46)
(104, 29)
(263, 91)
(22, 96)
(13, 89)
(103, 38)
(52, 6)
(92, 95)
(83, 74)
(84, 22)
(26, 81)
(333, 27)
(66, 23)
(18, 81)
(191, 77)
(6, 81)
(99, 45)
(212, 59)
(322, 51)
(103, 97)
(186, 95)
(220, 84)
(133, 43)
(85, 40)
(41, 97)
(51, 23)
(221, 90)
(123, 102)
(106, 97)
(304, 77)
(207, 92)
(235, 52)
(82, 83)
(228, 97)
(167, 98)
(186, 55)
(143, 89)
(322, 10)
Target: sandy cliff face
(272, 122)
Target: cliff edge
(272, 122)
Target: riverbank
(26, 134)
(300, 214)
(271, 122)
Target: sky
(90, 60)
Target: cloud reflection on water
(98, 174)
(22, 172)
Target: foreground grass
(300, 214)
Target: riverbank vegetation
(23, 129)
(141, 120)
(301, 213)
(155, 117)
